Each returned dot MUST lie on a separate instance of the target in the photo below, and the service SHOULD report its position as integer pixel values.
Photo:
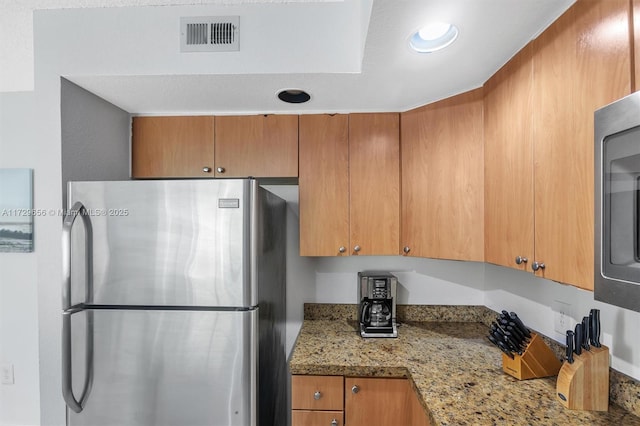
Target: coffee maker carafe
(377, 304)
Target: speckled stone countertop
(455, 371)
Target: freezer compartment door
(159, 243)
(165, 367)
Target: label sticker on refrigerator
(228, 203)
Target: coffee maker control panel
(379, 289)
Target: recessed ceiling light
(433, 36)
(294, 96)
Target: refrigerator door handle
(78, 209)
(67, 376)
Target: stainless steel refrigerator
(174, 304)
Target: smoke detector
(210, 34)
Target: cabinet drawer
(316, 418)
(317, 392)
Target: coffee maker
(377, 304)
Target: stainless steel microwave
(617, 203)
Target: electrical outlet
(562, 317)
(6, 374)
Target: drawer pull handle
(355, 389)
(334, 422)
(317, 395)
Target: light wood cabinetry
(256, 145)
(317, 400)
(381, 401)
(374, 183)
(581, 63)
(354, 401)
(324, 184)
(443, 179)
(635, 54)
(539, 144)
(508, 139)
(172, 147)
(349, 184)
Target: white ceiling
(350, 55)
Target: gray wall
(95, 137)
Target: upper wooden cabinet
(349, 184)
(374, 183)
(324, 185)
(172, 147)
(256, 145)
(581, 63)
(539, 141)
(508, 149)
(442, 179)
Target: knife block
(537, 360)
(584, 384)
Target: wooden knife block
(537, 360)
(584, 384)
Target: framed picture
(16, 210)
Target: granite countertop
(455, 371)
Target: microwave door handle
(78, 209)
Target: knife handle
(504, 349)
(512, 342)
(586, 325)
(569, 352)
(578, 335)
(520, 324)
(595, 328)
(517, 331)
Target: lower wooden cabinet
(317, 418)
(354, 401)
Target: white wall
(20, 402)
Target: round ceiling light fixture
(433, 36)
(293, 96)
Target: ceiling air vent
(210, 34)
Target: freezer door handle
(78, 209)
(67, 369)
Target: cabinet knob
(342, 249)
(334, 422)
(406, 249)
(206, 169)
(537, 265)
(356, 249)
(220, 170)
(355, 389)
(520, 260)
(317, 395)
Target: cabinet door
(374, 188)
(509, 163)
(636, 45)
(324, 185)
(581, 63)
(172, 147)
(376, 401)
(317, 392)
(258, 146)
(443, 179)
(316, 418)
